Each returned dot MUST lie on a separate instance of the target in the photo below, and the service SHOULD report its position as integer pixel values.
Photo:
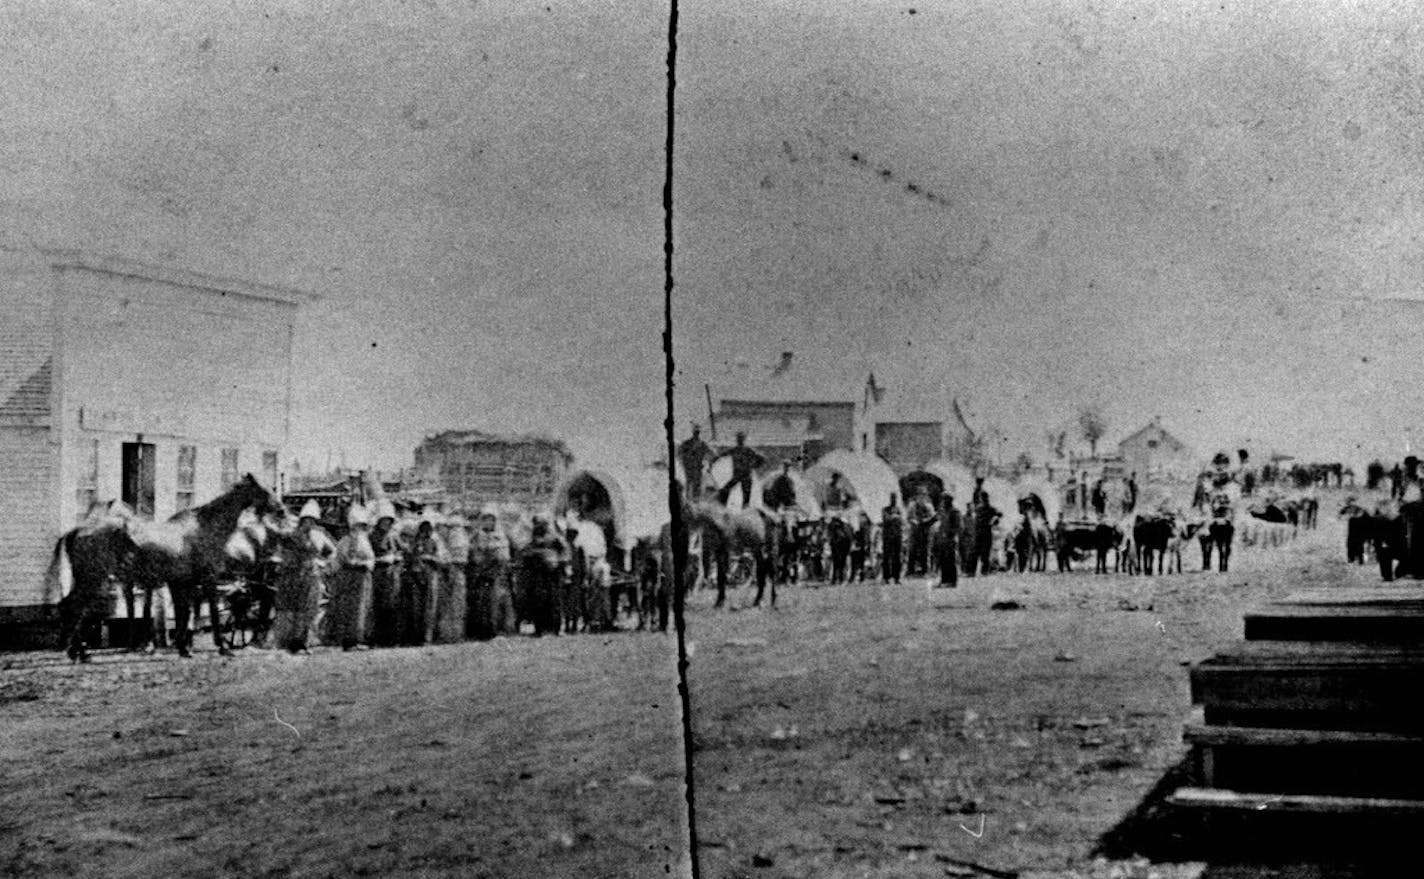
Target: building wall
(26, 535)
(134, 359)
(908, 445)
(834, 421)
(475, 473)
(144, 360)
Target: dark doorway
(138, 471)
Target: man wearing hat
(947, 541)
(839, 535)
(892, 533)
(921, 517)
(693, 453)
(745, 461)
(348, 614)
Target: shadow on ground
(1260, 844)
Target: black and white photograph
(766, 438)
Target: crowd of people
(1392, 529)
(396, 580)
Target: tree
(1092, 424)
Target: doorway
(137, 473)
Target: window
(229, 469)
(1151, 444)
(269, 470)
(187, 477)
(86, 481)
(138, 473)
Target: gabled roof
(30, 399)
(1153, 425)
(26, 364)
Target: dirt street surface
(906, 731)
(522, 757)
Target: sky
(1204, 211)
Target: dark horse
(187, 553)
(726, 534)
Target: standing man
(693, 453)
(841, 536)
(745, 462)
(837, 496)
(545, 561)
(860, 545)
(780, 495)
(947, 542)
(922, 517)
(892, 529)
(984, 518)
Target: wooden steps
(1320, 711)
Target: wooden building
(153, 385)
(472, 468)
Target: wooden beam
(1229, 800)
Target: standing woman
(348, 614)
(490, 602)
(299, 587)
(420, 582)
(450, 610)
(385, 578)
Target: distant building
(119, 380)
(471, 468)
(906, 434)
(787, 411)
(1157, 456)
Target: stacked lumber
(1320, 711)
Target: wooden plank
(1319, 654)
(1402, 594)
(1209, 735)
(1373, 624)
(1230, 800)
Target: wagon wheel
(231, 617)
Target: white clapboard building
(152, 385)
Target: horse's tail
(59, 576)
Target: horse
(1031, 540)
(187, 553)
(726, 534)
(86, 563)
(1152, 535)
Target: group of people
(432, 579)
(1393, 529)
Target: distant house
(470, 468)
(1156, 456)
(907, 432)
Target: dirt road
(908, 731)
(523, 757)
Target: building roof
(480, 437)
(792, 378)
(26, 362)
(1153, 425)
(113, 265)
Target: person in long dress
(301, 580)
(385, 577)
(420, 582)
(491, 602)
(348, 613)
(451, 606)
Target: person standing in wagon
(385, 578)
(300, 584)
(348, 613)
(450, 609)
